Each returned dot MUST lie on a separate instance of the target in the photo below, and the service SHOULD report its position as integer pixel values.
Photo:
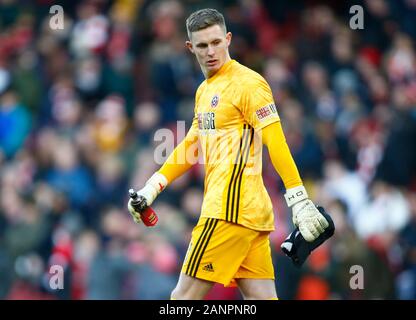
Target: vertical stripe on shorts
(200, 247)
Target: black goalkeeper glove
(298, 249)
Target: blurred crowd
(79, 108)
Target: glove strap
(294, 195)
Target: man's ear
(189, 46)
(228, 37)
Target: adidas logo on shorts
(208, 267)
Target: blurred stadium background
(79, 107)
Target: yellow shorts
(222, 251)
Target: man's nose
(211, 50)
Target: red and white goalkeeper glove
(305, 215)
(155, 185)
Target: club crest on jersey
(215, 100)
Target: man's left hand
(310, 221)
(305, 215)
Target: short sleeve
(256, 103)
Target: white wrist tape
(155, 185)
(158, 181)
(294, 195)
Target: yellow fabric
(222, 251)
(273, 137)
(230, 108)
(183, 157)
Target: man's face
(210, 47)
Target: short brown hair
(203, 19)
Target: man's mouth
(211, 62)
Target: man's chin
(212, 70)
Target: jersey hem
(247, 225)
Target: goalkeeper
(234, 108)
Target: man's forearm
(305, 215)
(183, 157)
(273, 137)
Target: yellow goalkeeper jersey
(231, 108)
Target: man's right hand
(140, 203)
(155, 185)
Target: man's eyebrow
(199, 44)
